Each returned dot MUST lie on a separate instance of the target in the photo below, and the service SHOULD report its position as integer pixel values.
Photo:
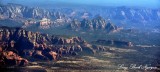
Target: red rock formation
(9, 58)
(41, 46)
(54, 55)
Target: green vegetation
(10, 23)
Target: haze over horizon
(128, 3)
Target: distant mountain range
(87, 17)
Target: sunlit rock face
(30, 16)
(45, 23)
(19, 11)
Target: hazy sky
(137, 3)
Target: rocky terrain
(42, 52)
(98, 23)
(106, 43)
(120, 13)
(16, 11)
(28, 16)
(48, 19)
(17, 41)
(11, 58)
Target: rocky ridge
(42, 46)
(98, 23)
(61, 17)
(120, 13)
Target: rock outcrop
(16, 11)
(10, 58)
(98, 23)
